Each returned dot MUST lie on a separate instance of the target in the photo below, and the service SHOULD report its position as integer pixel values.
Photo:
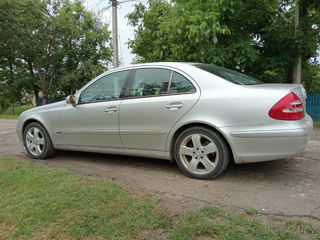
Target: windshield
(229, 75)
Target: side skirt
(119, 151)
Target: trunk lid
(298, 89)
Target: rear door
(156, 99)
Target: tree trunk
(12, 109)
(297, 68)
(34, 86)
(289, 75)
(43, 78)
(44, 98)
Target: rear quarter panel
(228, 107)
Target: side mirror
(71, 100)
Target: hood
(45, 108)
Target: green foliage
(312, 78)
(85, 53)
(173, 33)
(4, 103)
(53, 46)
(255, 37)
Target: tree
(256, 37)
(58, 43)
(86, 53)
(13, 75)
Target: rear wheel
(37, 141)
(201, 153)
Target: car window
(179, 84)
(150, 82)
(104, 89)
(229, 75)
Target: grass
(316, 124)
(17, 111)
(213, 223)
(41, 202)
(6, 116)
(250, 211)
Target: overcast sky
(125, 31)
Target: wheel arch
(197, 124)
(31, 120)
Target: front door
(158, 98)
(94, 120)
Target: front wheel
(37, 141)
(201, 153)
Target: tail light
(288, 108)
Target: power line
(118, 3)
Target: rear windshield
(229, 75)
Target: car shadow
(235, 172)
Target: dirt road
(288, 187)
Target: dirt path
(288, 187)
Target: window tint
(104, 89)
(229, 75)
(179, 84)
(150, 81)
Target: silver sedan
(200, 115)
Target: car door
(157, 99)
(93, 121)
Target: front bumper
(19, 130)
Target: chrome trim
(169, 83)
(269, 134)
(159, 95)
(88, 131)
(142, 132)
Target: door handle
(174, 106)
(111, 110)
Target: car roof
(164, 64)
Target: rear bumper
(264, 145)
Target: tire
(37, 141)
(201, 153)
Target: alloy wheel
(35, 141)
(199, 153)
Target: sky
(125, 31)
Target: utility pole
(297, 68)
(115, 60)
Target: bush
(4, 104)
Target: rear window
(229, 75)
